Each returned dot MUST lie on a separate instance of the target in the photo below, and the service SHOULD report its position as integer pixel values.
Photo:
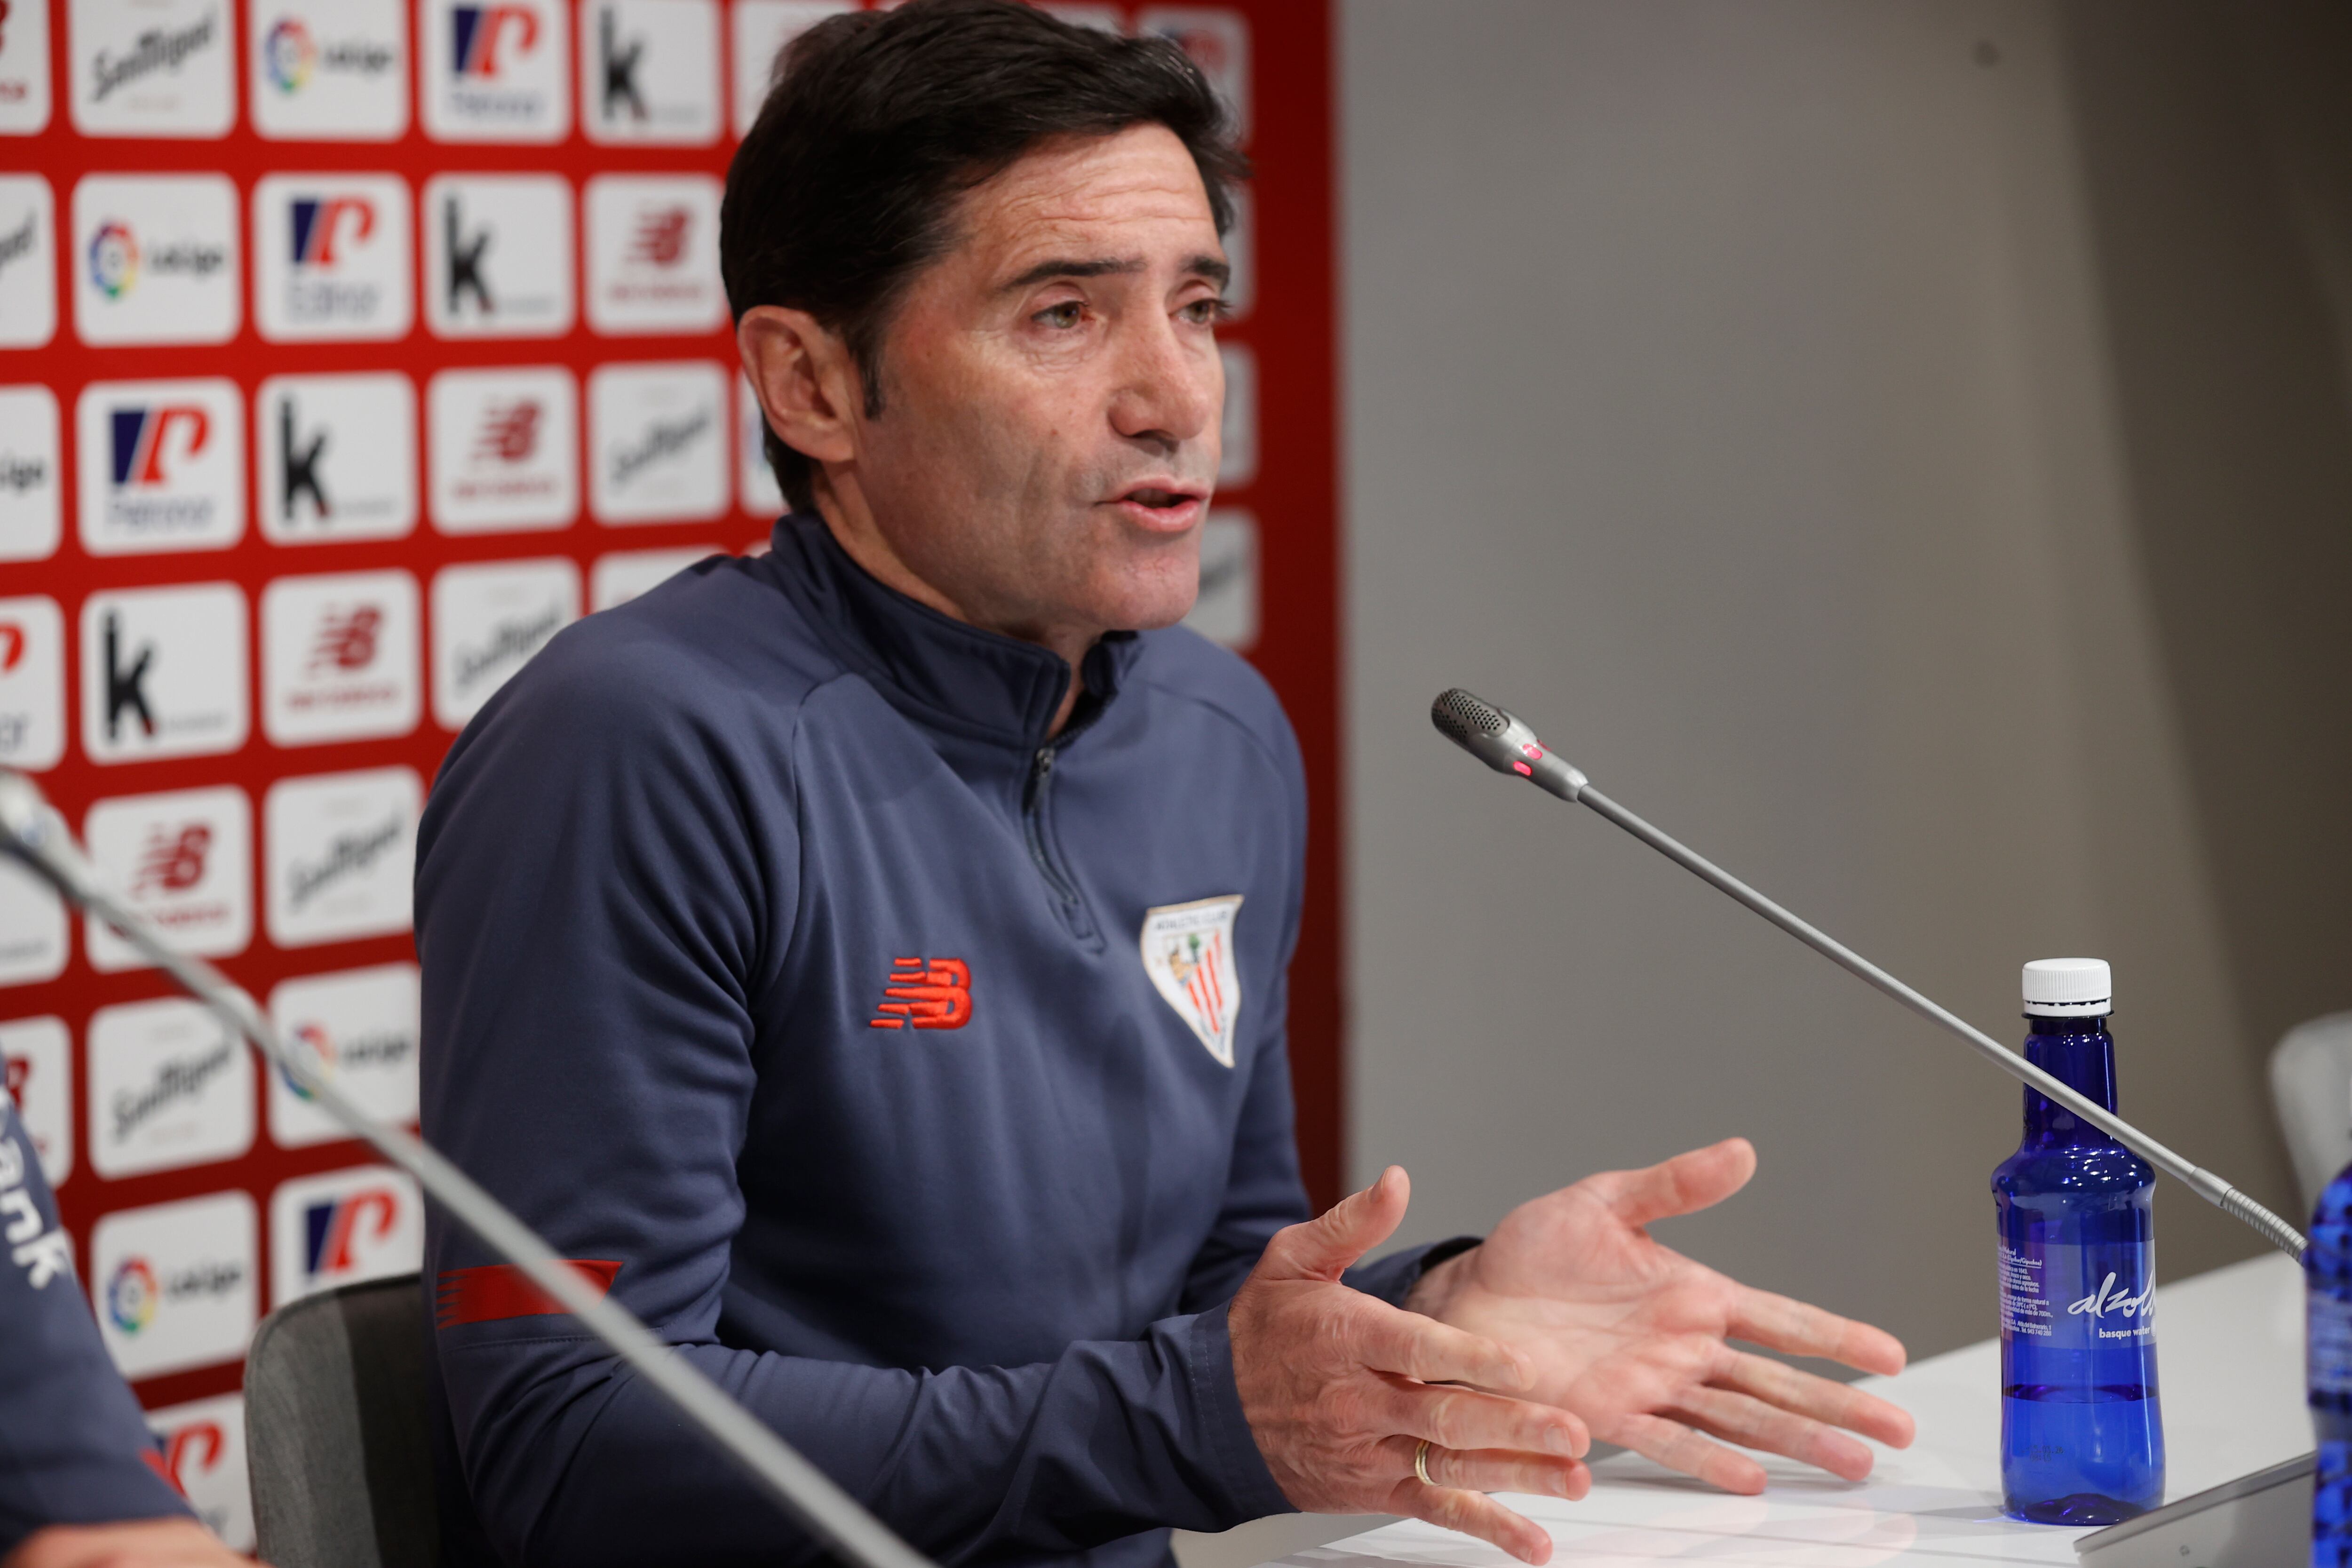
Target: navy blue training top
(920, 1076)
(73, 1449)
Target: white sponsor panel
(337, 456)
(164, 672)
(1238, 434)
(37, 1053)
(504, 449)
(28, 263)
(341, 850)
(204, 1457)
(331, 258)
(657, 442)
(341, 657)
(32, 479)
(757, 490)
(486, 623)
(620, 576)
(162, 466)
(151, 67)
(32, 683)
(653, 254)
(362, 1025)
(496, 70)
(649, 71)
(185, 860)
(1101, 19)
(498, 256)
(328, 70)
(33, 941)
(176, 1285)
(1226, 610)
(155, 260)
(339, 1228)
(763, 29)
(25, 71)
(1219, 42)
(169, 1086)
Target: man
(869, 958)
(78, 1483)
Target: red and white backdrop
(348, 349)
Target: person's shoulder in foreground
(78, 1488)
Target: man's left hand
(1631, 1335)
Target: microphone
(1506, 743)
(33, 832)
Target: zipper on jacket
(1066, 900)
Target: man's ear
(806, 379)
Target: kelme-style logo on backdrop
(1188, 952)
(337, 457)
(498, 256)
(649, 71)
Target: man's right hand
(1341, 1389)
(139, 1544)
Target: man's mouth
(1163, 506)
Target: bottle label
(2330, 1343)
(2078, 1298)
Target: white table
(2229, 1356)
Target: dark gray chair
(336, 1432)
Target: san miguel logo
(346, 855)
(1188, 952)
(159, 50)
(925, 994)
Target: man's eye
(1063, 315)
(1205, 312)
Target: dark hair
(877, 121)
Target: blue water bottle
(2328, 1270)
(2082, 1439)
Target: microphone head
(1501, 741)
(21, 809)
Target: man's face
(1051, 393)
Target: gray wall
(1774, 403)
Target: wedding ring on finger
(1421, 1462)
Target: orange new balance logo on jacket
(929, 995)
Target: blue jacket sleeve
(597, 891)
(71, 1439)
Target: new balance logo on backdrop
(334, 258)
(339, 657)
(505, 451)
(337, 457)
(170, 455)
(183, 860)
(509, 431)
(173, 862)
(496, 71)
(653, 254)
(660, 237)
(498, 256)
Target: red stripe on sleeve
(496, 1291)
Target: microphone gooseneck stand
(32, 831)
(1507, 744)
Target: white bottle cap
(2069, 988)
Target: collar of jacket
(931, 666)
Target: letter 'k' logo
(934, 994)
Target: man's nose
(1171, 390)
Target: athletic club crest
(1187, 951)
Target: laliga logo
(140, 435)
(476, 29)
(319, 220)
(289, 55)
(131, 1295)
(323, 1046)
(331, 1230)
(114, 260)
